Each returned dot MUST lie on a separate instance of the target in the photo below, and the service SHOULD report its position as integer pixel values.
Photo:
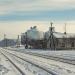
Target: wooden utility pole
(65, 29)
(5, 40)
(65, 38)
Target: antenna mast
(65, 29)
(65, 37)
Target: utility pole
(5, 40)
(65, 29)
(65, 39)
(51, 37)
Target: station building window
(72, 44)
(63, 45)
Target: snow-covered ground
(27, 68)
(6, 68)
(57, 67)
(68, 54)
(62, 54)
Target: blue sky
(17, 14)
(39, 15)
(14, 10)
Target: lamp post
(18, 41)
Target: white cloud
(7, 6)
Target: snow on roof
(61, 35)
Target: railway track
(45, 65)
(19, 70)
(35, 64)
(64, 60)
(69, 61)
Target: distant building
(7, 42)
